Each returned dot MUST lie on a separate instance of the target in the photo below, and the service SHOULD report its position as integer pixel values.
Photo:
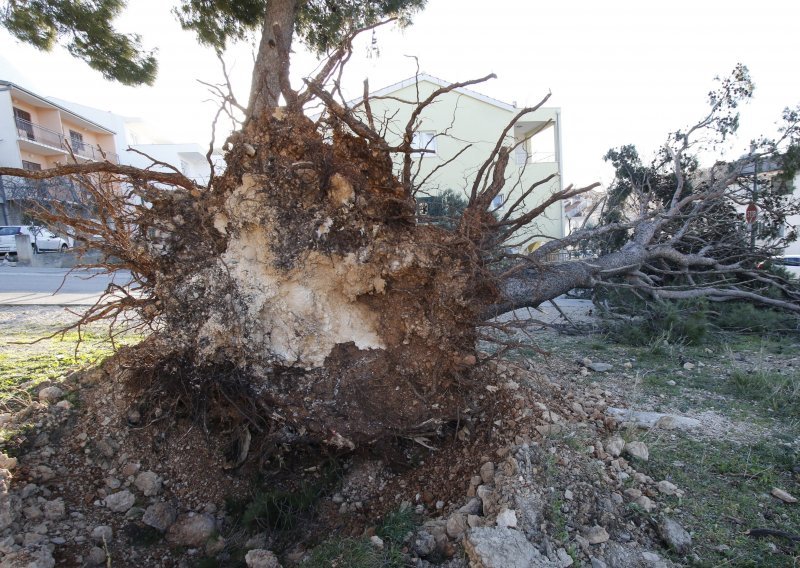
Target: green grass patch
(361, 553)
(24, 368)
(396, 525)
(727, 492)
(777, 391)
(279, 510)
(353, 553)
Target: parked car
(789, 262)
(42, 239)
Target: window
(76, 141)
(24, 124)
(31, 166)
(424, 140)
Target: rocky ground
(553, 468)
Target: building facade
(37, 134)
(458, 132)
(139, 146)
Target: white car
(42, 239)
(789, 262)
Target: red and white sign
(751, 213)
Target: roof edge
(56, 105)
(441, 83)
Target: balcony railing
(27, 130)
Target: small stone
(134, 513)
(651, 557)
(487, 472)
(191, 530)
(552, 417)
(456, 525)
(134, 417)
(507, 518)
(671, 383)
(666, 487)
(148, 483)
(501, 547)
(637, 450)
(615, 446)
(600, 367)
(160, 516)
(120, 502)
(43, 473)
(106, 448)
(564, 559)
(97, 556)
(260, 558)
(7, 462)
(130, 469)
(675, 535)
(50, 394)
(783, 495)
(596, 535)
(102, 534)
(376, 541)
(645, 503)
(424, 544)
(439, 505)
(549, 429)
(688, 366)
(54, 509)
(64, 405)
(32, 539)
(568, 495)
(473, 507)
(474, 521)
(32, 513)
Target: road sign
(751, 213)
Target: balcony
(50, 142)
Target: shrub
(748, 318)
(674, 322)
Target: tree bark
(265, 89)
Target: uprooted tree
(299, 292)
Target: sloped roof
(441, 83)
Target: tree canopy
(87, 30)
(322, 24)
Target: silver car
(42, 239)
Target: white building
(139, 146)
(38, 134)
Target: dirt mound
(95, 480)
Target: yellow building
(460, 130)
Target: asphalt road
(54, 286)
